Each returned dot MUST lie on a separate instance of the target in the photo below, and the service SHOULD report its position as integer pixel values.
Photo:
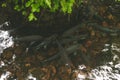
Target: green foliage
(117, 0)
(3, 5)
(68, 7)
(30, 7)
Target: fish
(29, 38)
(104, 29)
(66, 52)
(72, 30)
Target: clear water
(108, 71)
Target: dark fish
(29, 38)
(104, 29)
(72, 30)
(67, 51)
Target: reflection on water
(5, 75)
(30, 77)
(108, 71)
(5, 40)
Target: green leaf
(63, 5)
(32, 1)
(38, 10)
(35, 8)
(55, 6)
(32, 17)
(32, 6)
(15, 1)
(28, 4)
(4, 5)
(69, 6)
(48, 3)
(24, 13)
(17, 7)
(41, 2)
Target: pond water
(6, 41)
(108, 71)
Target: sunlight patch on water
(108, 71)
(30, 77)
(5, 40)
(5, 75)
(2, 64)
(105, 72)
(116, 47)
